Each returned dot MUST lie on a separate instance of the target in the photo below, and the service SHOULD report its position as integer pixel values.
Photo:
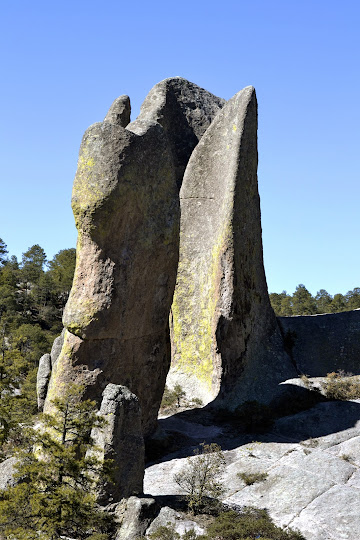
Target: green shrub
(249, 524)
(252, 478)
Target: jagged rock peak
(185, 111)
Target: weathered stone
(135, 515)
(119, 112)
(172, 519)
(320, 344)
(56, 348)
(126, 208)
(225, 337)
(121, 440)
(7, 471)
(185, 111)
(42, 380)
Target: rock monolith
(121, 436)
(225, 338)
(126, 207)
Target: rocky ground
(311, 461)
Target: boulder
(7, 471)
(168, 517)
(226, 343)
(42, 380)
(135, 515)
(121, 440)
(56, 347)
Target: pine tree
(58, 475)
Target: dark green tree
(353, 299)
(58, 475)
(323, 301)
(338, 304)
(3, 252)
(303, 302)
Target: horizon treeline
(33, 293)
(302, 302)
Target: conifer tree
(55, 495)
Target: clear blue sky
(63, 63)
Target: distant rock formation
(225, 338)
(126, 207)
(320, 344)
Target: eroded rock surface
(225, 337)
(126, 209)
(121, 440)
(42, 380)
(310, 461)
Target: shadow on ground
(180, 433)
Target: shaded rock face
(320, 344)
(126, 207)
(121, 436)
(225, 338)
(185, 111)
(134, 516)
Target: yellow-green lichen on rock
(220, 331)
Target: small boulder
(42, 381)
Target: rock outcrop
(320, 344)
(42, 380)
(225, 338)
(121, 436)
(126, 207)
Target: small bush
(200, 477)
(249, 524)
(252, 478)
(342, 386)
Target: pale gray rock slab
(121, 439)
(334, 515)
(119, 112)
(7, 470)
(293, 483)
(159, 478)
(42, 379)
(135, 515)
(169, 517)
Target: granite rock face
(121, 436)
(320, 344)
(126, 207)
(225, 338)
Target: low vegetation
(200, 477)
(249, 524)
(176, 398)
(252, 478)
(342, 386)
